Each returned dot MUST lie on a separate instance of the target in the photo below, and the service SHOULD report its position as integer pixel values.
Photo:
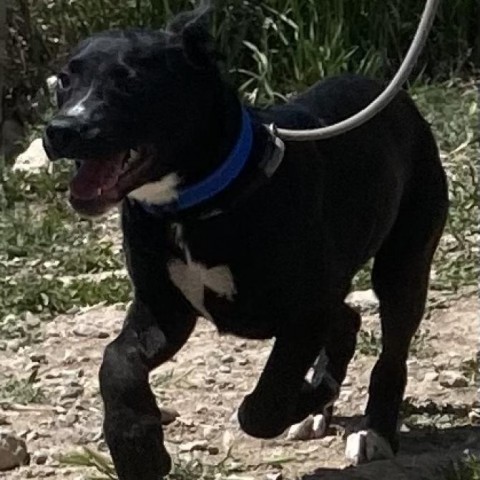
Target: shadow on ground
(424, 455)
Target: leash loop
(411, 58)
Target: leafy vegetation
(271, 47)
(23, 390)
(469, 469)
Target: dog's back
(372, 172)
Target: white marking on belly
(191, 278)
(158, 193)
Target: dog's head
(129, 102)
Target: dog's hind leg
(400, 279)
(329, 372)
(133, 423)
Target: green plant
(22, 391)
(184, 467)
(466, 469)
(369, 343)
(271, 47)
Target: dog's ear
(192, 31)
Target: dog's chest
(195, 280)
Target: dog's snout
(62, 132)
(66, 134)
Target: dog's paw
(314, 426)
(366, 446)
(136, 445)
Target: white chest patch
(158, 193)
(191, 278)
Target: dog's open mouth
(101, 183)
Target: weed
(369, 343)
(22, 391)
(185, 467)
(467, 469)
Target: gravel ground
(59, 410)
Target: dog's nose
(64, 132)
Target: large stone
(33, 159)
(452, 379)
(13, 451)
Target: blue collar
(218, 180)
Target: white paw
(312, 427)
(365, 446)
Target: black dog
(219, 221)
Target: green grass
(452, 108)
(23, 390)
(48, 256)
(270, 47)
(468, 469)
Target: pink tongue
(96, 175)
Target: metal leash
(384, 98)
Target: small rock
(33, 159)
(40, 458)
(213, 450)
(4, 419)
(13, 451)
(227, 359)
(72, 393)
(209, 431)
(225, 369)
(328, 441)
(364, 300)
(431, 377)
(83, 331)
(14, 345)
(196, 445)
(474, 417)
(68, 420)
(200, 362)
(452, 379)
(274, 476)
(38, 358)
(30, 436)
(169, 415)
(32, 321)
(240, 347)
(243, 361)
(404, 428)
(187, 422)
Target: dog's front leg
(271, 407)
(132, 424)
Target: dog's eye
(63, 81)
(124, 79)
(121, 73)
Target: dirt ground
(206, 381)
